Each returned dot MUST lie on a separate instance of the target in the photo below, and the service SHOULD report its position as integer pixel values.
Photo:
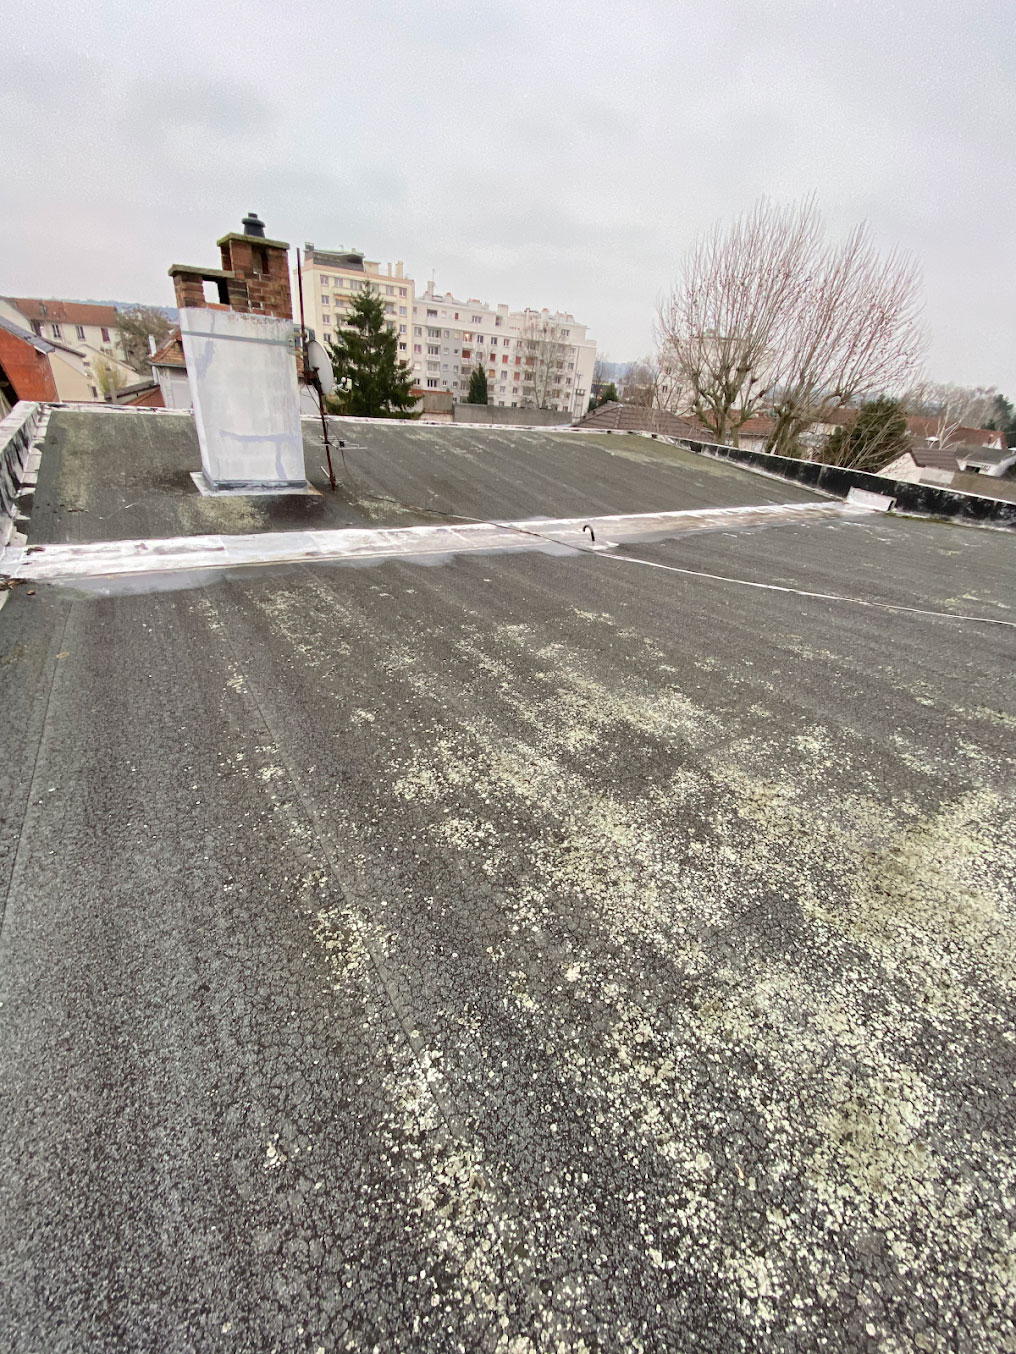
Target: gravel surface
(519, 954)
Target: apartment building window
(447, 333)
(56, 331)
(105, 335)
(324, 280)
(505, 358)
(434, 333)
(417, 331)
(389, 291)
(36, 328)
(389, 308)
(433, 350)
(477, 319)
(81, 333)
(432, 383)
(402, 291)
(402, 347)
(402, 328)
(324, 301)
(402, 310)
(431, 314)
(417, 347)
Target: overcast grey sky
(561, 153)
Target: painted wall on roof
(242, 374)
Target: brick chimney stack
(254, 276)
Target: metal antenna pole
(312, 378)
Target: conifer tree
(371, 381)
(477, 386)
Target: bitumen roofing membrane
(529, 952)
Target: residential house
(81, 327)
(923, 465)
(26, 355)
(994, 461)
(25, 371)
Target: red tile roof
(150, 398)
(171, 352)
(970, 437)
(64, 312)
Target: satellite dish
(321, 363)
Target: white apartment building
(332, 277)
(533, 359)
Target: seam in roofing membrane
(821, 596)
(104, 559)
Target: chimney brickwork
(254, 276)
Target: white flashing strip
(106, 559)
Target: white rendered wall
(242, 375)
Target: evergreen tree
(477, 386)
(365, 358)
(608, 394)
(876, 436)
(1003, 419)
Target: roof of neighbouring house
(635, 418)
(171, 352)
(921, 426)
(64, 312)
(975, 455)
(40, 344)
(934, 458)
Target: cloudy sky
(561, 153)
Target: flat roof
(528, 950)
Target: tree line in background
(825, 340)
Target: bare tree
(544, 353)
(638, 383)
(135, 325)
(853, 333)
(719, 328)
(948, 408)
(107, 375)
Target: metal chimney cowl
(253, 225)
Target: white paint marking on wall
(104, 559)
